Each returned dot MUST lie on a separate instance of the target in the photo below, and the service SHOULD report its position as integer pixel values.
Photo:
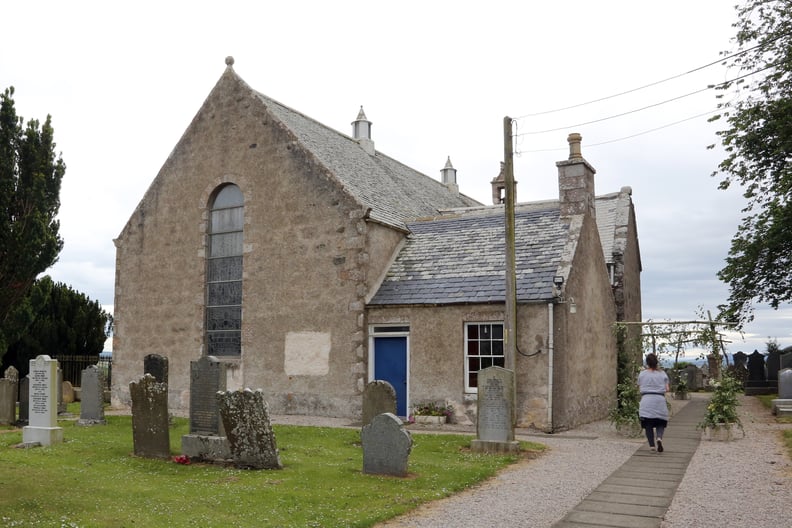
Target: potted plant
(433, 413)
(721, 415)
(625, 414)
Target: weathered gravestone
(43, 403)
(773, 364)
(246, 421)
(61, 403)
(24, 400)
(785, 360)
(386, 446)
(92, 393)
(495, 416)
(8, 396)
(150, 434)
(784, 400)
(157, 366)
(379, 397)
(692, 377)
(206, 440)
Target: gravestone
(43, 403)
(740, 359)
(150, 434)
(24, 400)
(785, 361)
(246, 421)
(691, 377)
(379, 397)
(92, 393)
(68, 393)
(785, 384)
(157, 366)
(386, 446)
(206, 440)
(12, 373)
(773, 365)
(8, 400)
(61, 403)
(756, 367)
(495, 417)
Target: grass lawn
(92, 479)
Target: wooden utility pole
(510, 319)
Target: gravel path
(746, 482)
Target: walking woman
(653, 411)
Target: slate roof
(460, 259)
(394, 192)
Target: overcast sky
(123, 81)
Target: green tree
(64, 322)
(30, 181)
(758, 144)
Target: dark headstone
(691, 375)
(495, 417)
(8, 399)
(386, 446)
(246, 421)
(756, 367)
(24, 400)
(773, 365)
(740, 359)
(786, 360)
(92, 397)
(150, 434)
(379, 397)
(207, 378)
(785, 384)
(157, 366)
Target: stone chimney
(448, 177)
(361, 131)
(499, 187)
(576, 182)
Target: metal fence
(72, 367)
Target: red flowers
(182, 459)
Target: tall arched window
(224, 273)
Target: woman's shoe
(659, 445)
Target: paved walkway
(638, 494)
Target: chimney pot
(574, 140)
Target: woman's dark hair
(651, 361)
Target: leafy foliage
(758, 145)
(434, 409)
(30, 180)
(54, 319)
(722, 407)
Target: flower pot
(432, 420)
(719, 433)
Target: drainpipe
(550, 367)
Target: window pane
(473, 364)
(499, 362)
(486, 348)
(497, 348)
(473, 379)
(224, 343)
(486, 332)
(227, 220)
(486, 362)
(497, 331)
(472, 331)
(473, 348)
(229, 196)
(225, 318)
(224, 269)
(224, 293)
(225, 245)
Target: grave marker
(150, 434)
(8, 399)
(43, 403)
(24, 400)
(495, 416)
(206, 440)
(246, 421)
(386, 446)
(92, 397)
(379, 397)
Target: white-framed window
(224, 273)
(483, 348)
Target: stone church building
(312, 263)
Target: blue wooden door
(390, 364)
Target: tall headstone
(756, 367)
(386, 446)
(24, 400)
(246, 421)
(8, 400)
(92, 397)
(786, 360)
(773, 365)
(207, 440)
(691, 376)
(61, 403)
(379, 397)
(43, 403)
(157, 366)
(785, 384)
(150, 434)
(740, 359)
(495, 417)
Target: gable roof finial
(229, 62)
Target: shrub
(434, 409)
(722, 407)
